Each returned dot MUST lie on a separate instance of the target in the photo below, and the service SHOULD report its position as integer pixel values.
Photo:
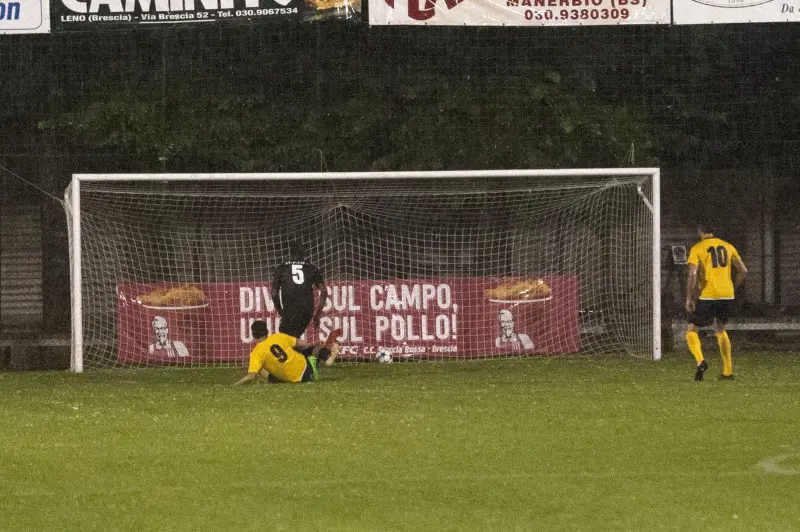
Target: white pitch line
(772, 465)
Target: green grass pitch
(520, 444)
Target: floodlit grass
(523, 444)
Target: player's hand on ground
(689, 306)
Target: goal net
(173, 268)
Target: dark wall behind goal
(715, 107)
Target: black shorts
(707, 310)
(308, 374)
(295, 319)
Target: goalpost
(171, 269)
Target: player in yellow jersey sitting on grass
(710, 263)
(279, 357)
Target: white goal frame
(74, 212)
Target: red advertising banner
(208, 323)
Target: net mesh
(430, 269)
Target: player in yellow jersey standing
(279, 357)
(710, 263)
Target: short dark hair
(706, 228)
(297, 250)
(259, 329)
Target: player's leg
(312, 370)
(326, 352)
(329, 349)
(312, 364)
(295, 320)
(699, 318)
(721, 313)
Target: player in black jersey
(293, 292)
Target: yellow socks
(696, 348)
(693, 341)
(725, 352)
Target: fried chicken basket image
(525, 301)
(523, 291)
(184, 297)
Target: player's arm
(692, 281)
(247, 378)
(253, 370)
(691, 287)
(323, 297)
(276, 289)
(301, 344)
(741, 271)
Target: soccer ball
(384, 356)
